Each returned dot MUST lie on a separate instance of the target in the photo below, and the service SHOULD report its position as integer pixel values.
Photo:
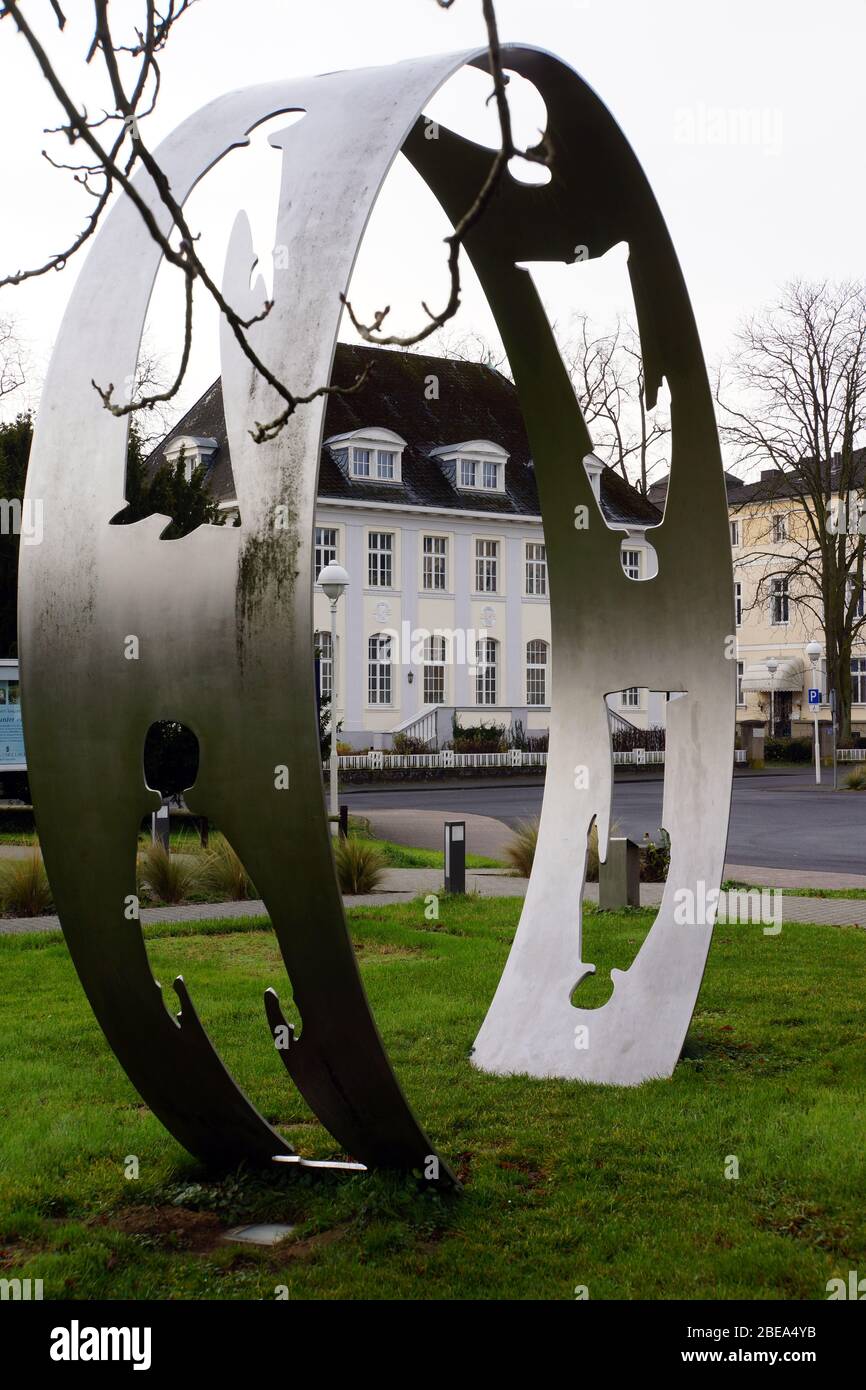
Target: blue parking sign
(814, 697)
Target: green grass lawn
(853, 894)
(566, 1184)
(408, 856)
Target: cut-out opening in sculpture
(171, 758)
(612, 937)
(465, 106)
(177, 483)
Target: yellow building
(778, 613)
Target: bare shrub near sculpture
(172, 878)
(360, 865)
(223, 875)
(520, 850)
(24, 887)
(855, 780)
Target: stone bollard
(619, 876)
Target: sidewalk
(404, 885)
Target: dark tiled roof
(474, 402)
(772, 483)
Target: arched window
(487, 661)
(325, 649)
(379, 669)
(537, 653)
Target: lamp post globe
(334, 580)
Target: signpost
(814, 702)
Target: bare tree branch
(113, 158)
(800, 371)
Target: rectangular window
(434, 671)
(326, 548)
(536, 672)
(631, 563)
(434, 573)
(379, 559)
(361, 463)
(740, 697)
(485, 671)
(738, 602)
(631, 698)
(379, 670)
(536, 569)
(468, 471)
(735, 533)
(486, 567)
(858, 681)
(385, 464)
(326, 664)
(779, 603)
(489, 474)
(780, 528)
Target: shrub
(520, 850)
(223, 874)
(787, 750)
(171, 878)
(24, 887)
(626, 740)
(407, 743)
(518, 737)
(477, 738)
(855, 780)
(655, 859)
(360, 865)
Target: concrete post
(619, 876)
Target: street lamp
(813, 652)
(334, 580)
(772, 667)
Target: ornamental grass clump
(24, 887)
(223, 875)
(360, 865)
(171, 878)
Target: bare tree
(474, 347)
(109, 150)
(12, 358)
(798, 375)
(608, 375)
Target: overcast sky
(748, 118)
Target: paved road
(777, 819)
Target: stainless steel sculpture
(222, 619)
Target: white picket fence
(379, 761)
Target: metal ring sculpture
(223, 617)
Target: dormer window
(594, 469)
(196, 451)
(478, 465)
(373, 455)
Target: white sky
(684, 79)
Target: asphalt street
(777, 819)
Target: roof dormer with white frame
(371, 455)
(196, 451)
(476, 465)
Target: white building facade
(427, 499)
